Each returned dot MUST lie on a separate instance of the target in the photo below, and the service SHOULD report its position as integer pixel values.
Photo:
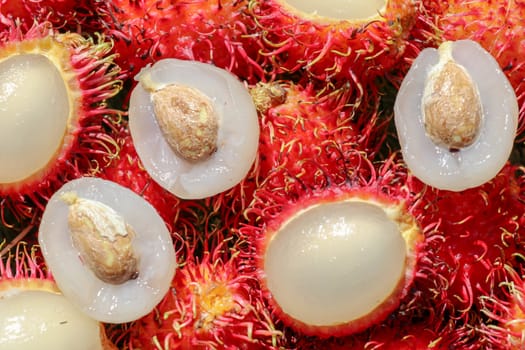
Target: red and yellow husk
(91, 78)
(214, 32)
(330, 49)
(214, 303)
(313, 134)
(65, 15)
(284, 193)
(126, 169)
(476, 233)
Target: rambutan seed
(186, 117)
(452, 109)
(103, 239)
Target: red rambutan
(333, 40)
(55, 122)
(206, 31)
(476, 233)
(35, 314)
(334, 258)
(214, 303)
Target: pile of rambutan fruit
(212, 174)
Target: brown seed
(451, 104)
(188, 121)
(103, 239)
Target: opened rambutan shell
(333, 41)
(49, 143)
(36, 314)
(278, 213)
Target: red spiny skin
(506, 312)
(332, 49)
(214, 304)
(207, 31)
(65, 15)
(477, 232)
(127, 170)
(313, 136)
(88, 143)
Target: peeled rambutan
(214, 303)
(333, 40)
(334, 258)
(496, 25)
(34, 313)
(55, 124)
(214, 32)
(476, 233)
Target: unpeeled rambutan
(320, 249)
(333, 40)
(214, 32)
(56, 124)
(214, 303)
(34, 313)
(476, 233)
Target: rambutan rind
(87, 78)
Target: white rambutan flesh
(34, 115)
(337, 9)
(34, 319)
(340, 265)
(194, 126)
(456, 116)
(112, 276)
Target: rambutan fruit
(456, 116)
(73, 15)
(334, 259)
(194, 126)
(311, 133)
(55, 123)
(34, 313)
(108, 249)
(214, 303)
(334, 40)
(506, 312)
(476, 233)
(215, 32)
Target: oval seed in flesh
(452, 110)
(237, 134)
(103, 239)
(437, 163)
(186, 118)
(152, 245)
